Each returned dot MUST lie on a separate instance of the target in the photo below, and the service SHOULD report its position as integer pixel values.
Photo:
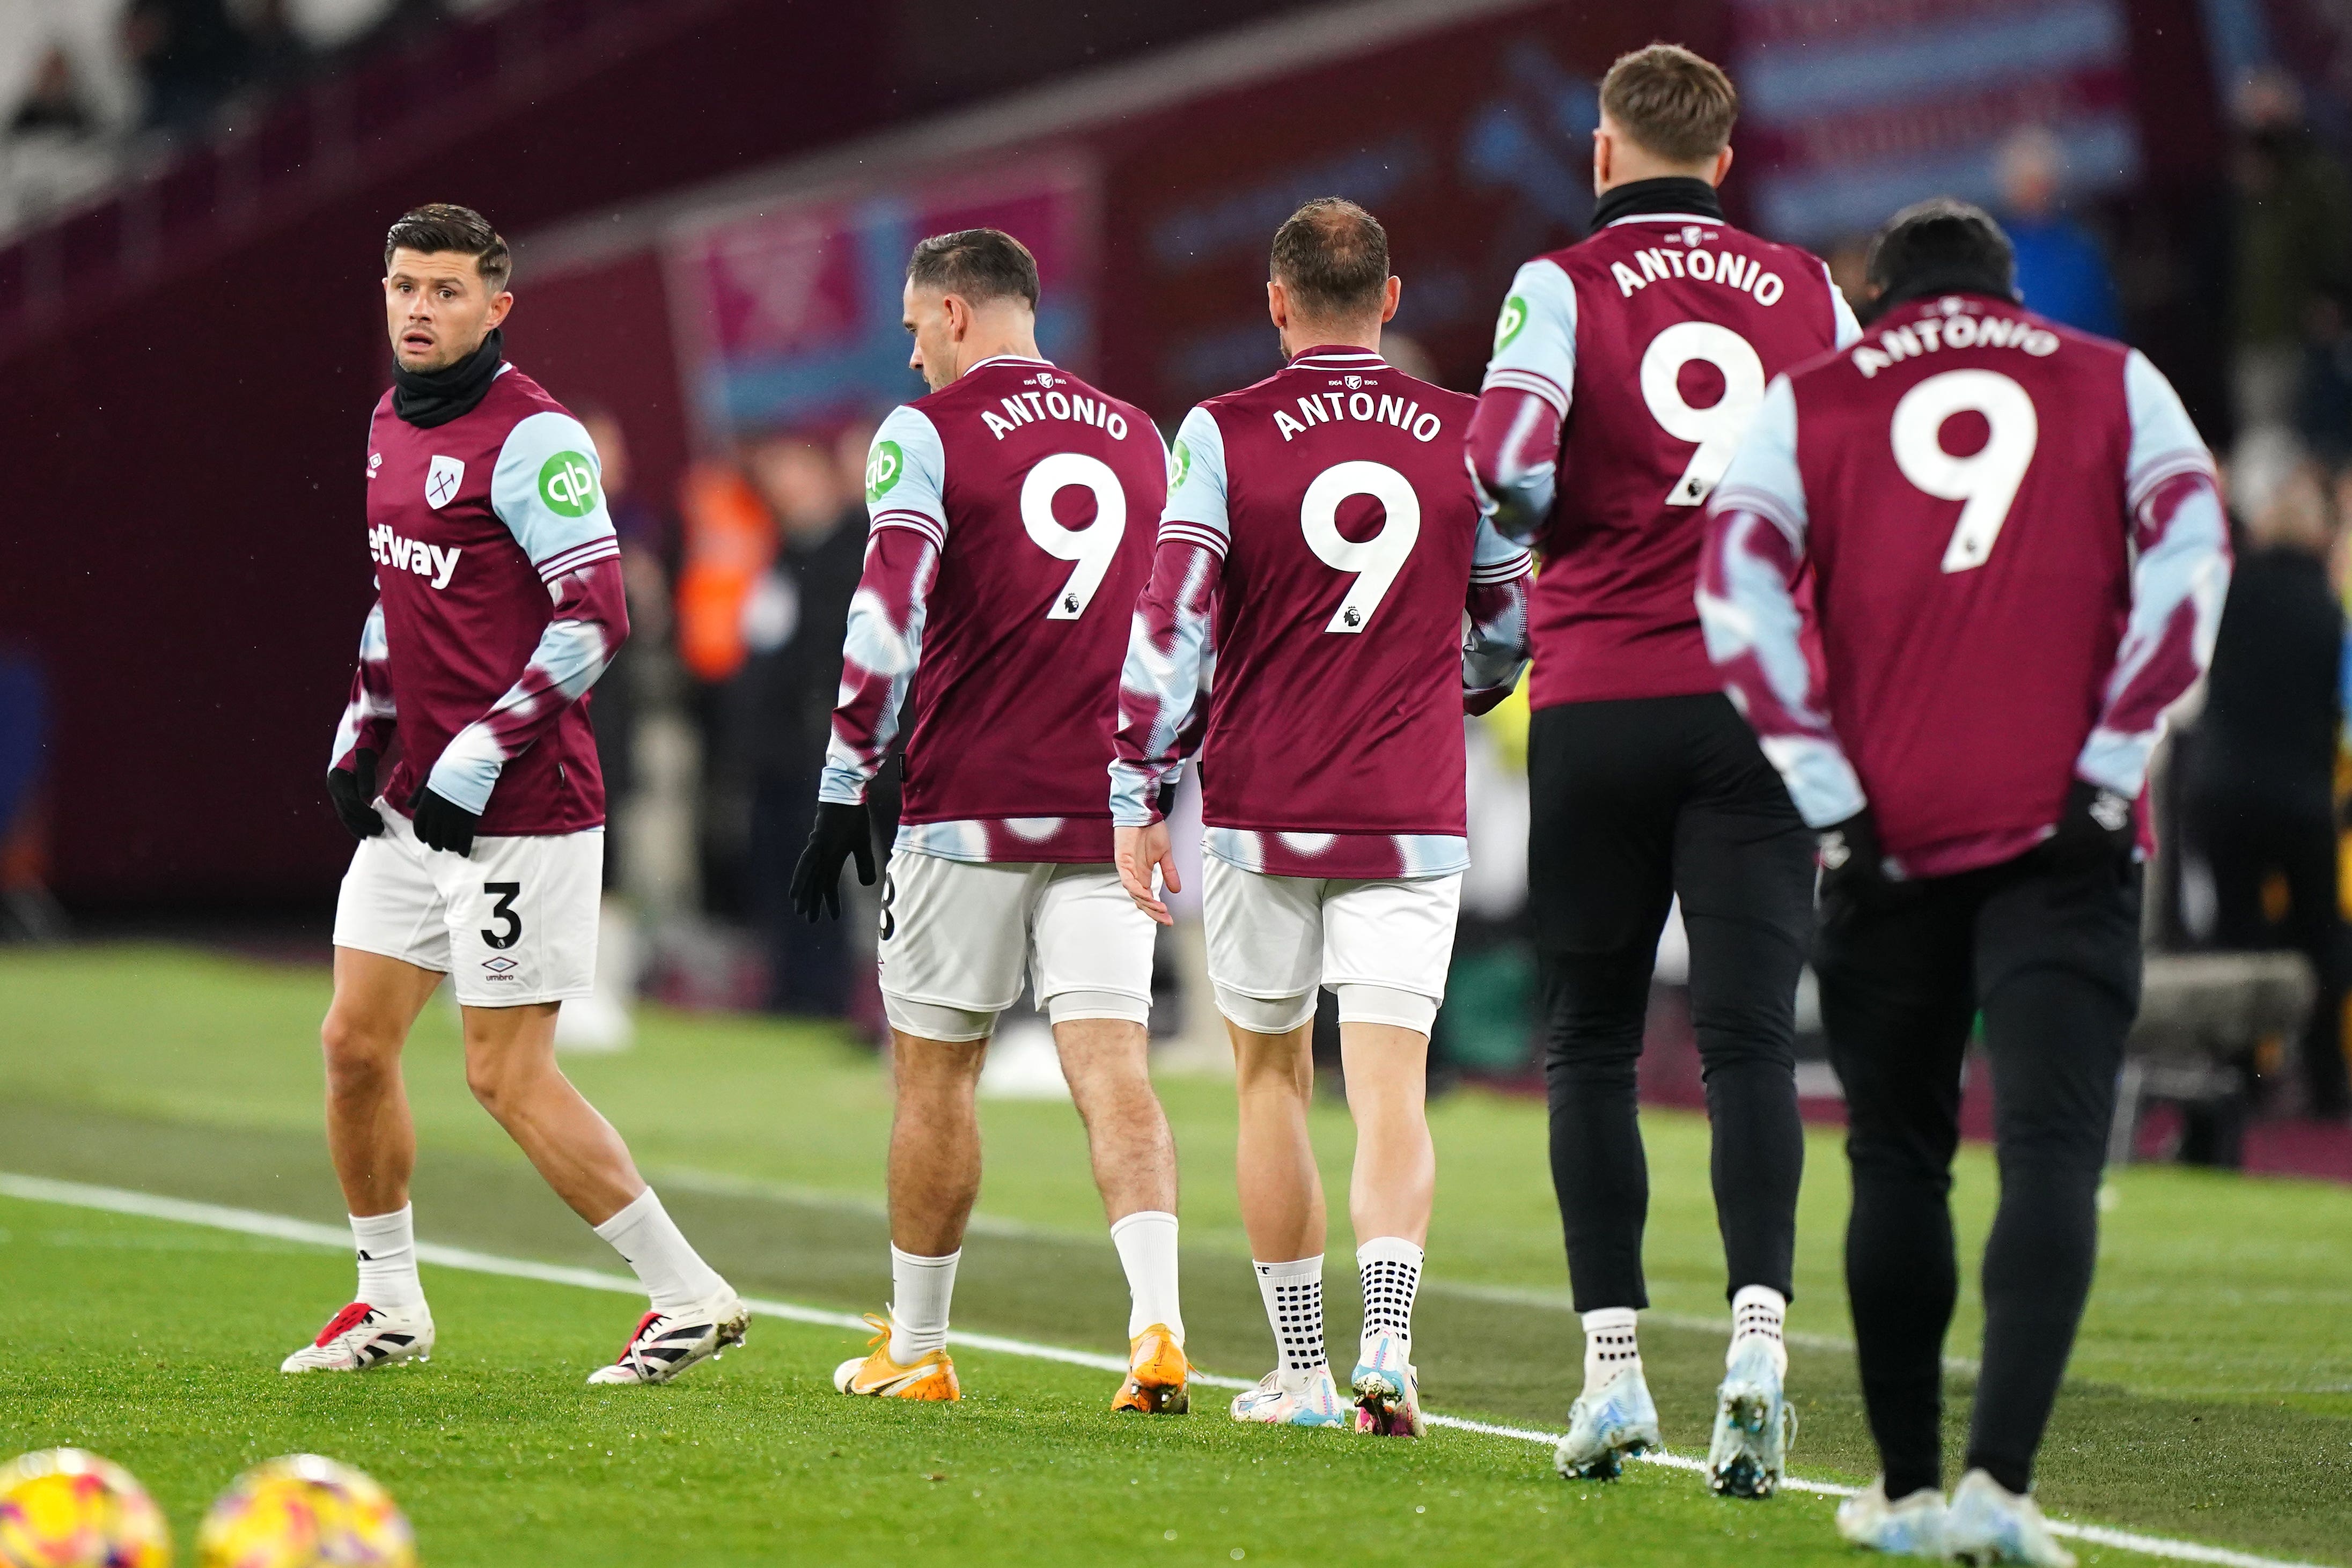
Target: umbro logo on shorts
(501, 967)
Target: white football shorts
(511, 924)
(1383, 946)
(957, 934)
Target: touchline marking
(278, 1227)
(686, 1178)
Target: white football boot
(1607, 1428)
(1912, 1528)
(1989, 1523)
(1753, 1425)
(666, 1344)
(362, 1336)
(1314, 1402)
(1387, 1387)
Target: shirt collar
(1336, 356)
(1669, 198)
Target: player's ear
(1603, 148)
(1722, 164)
(498, 309)
(1277, 304)
(1390, 291)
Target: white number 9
(1377, 560)
(1986, 482)
(1091, 546)
(1717, 428)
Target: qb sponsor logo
(442, 479)
(1180, 467)
(883, 468)
(568, 485)
(1507, 325)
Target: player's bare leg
(1281, 1190)
(934, 1181)
(934, 1142)
(1283, 1212)
(1106, 1061)
(373, 1140)
(370, 1134)
(1395, 1178)
(511, 1066)
(1390, 1194)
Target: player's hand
(841, 831)
(1137, 852)
(2096, 826)
(442, 823)
(1853, 863)
(352, 791)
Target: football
(62, 1508)
(304, 1512)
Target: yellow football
(304, 1512)
(62, 1508)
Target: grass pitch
(2214, 1398)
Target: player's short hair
(1676, 104)
(1333, 258)
(439, 227)
(979, 263)
(1940, 245)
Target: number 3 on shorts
(506, 892)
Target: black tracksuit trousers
(1632, 802)
(2051, 960)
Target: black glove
(1852, 862)
(2095, 826)
(1165, 802)
(442, 823)
(840, 833)
(352, 790)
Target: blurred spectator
(55, 105)
(2260, 802)
(793, 624)
(190, 54)
(2294, 248)
(728, 539)
(2061, 269)
(56, 149)
(2322, 409)
(638, 677)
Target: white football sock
(1391, 1270)
(1147, 1250)
(1757, 1312)
(1294, 1306)
(386, 1244)
(1609, 1346)
(921, 1289)
(650, 1242)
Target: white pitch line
(280, 1228)
(720, 1185)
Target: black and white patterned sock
(1391, 1270)
(1609, 1346)
(1757, 1312)
(1293, 1293)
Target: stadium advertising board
(1849, 112)
(788, 315)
